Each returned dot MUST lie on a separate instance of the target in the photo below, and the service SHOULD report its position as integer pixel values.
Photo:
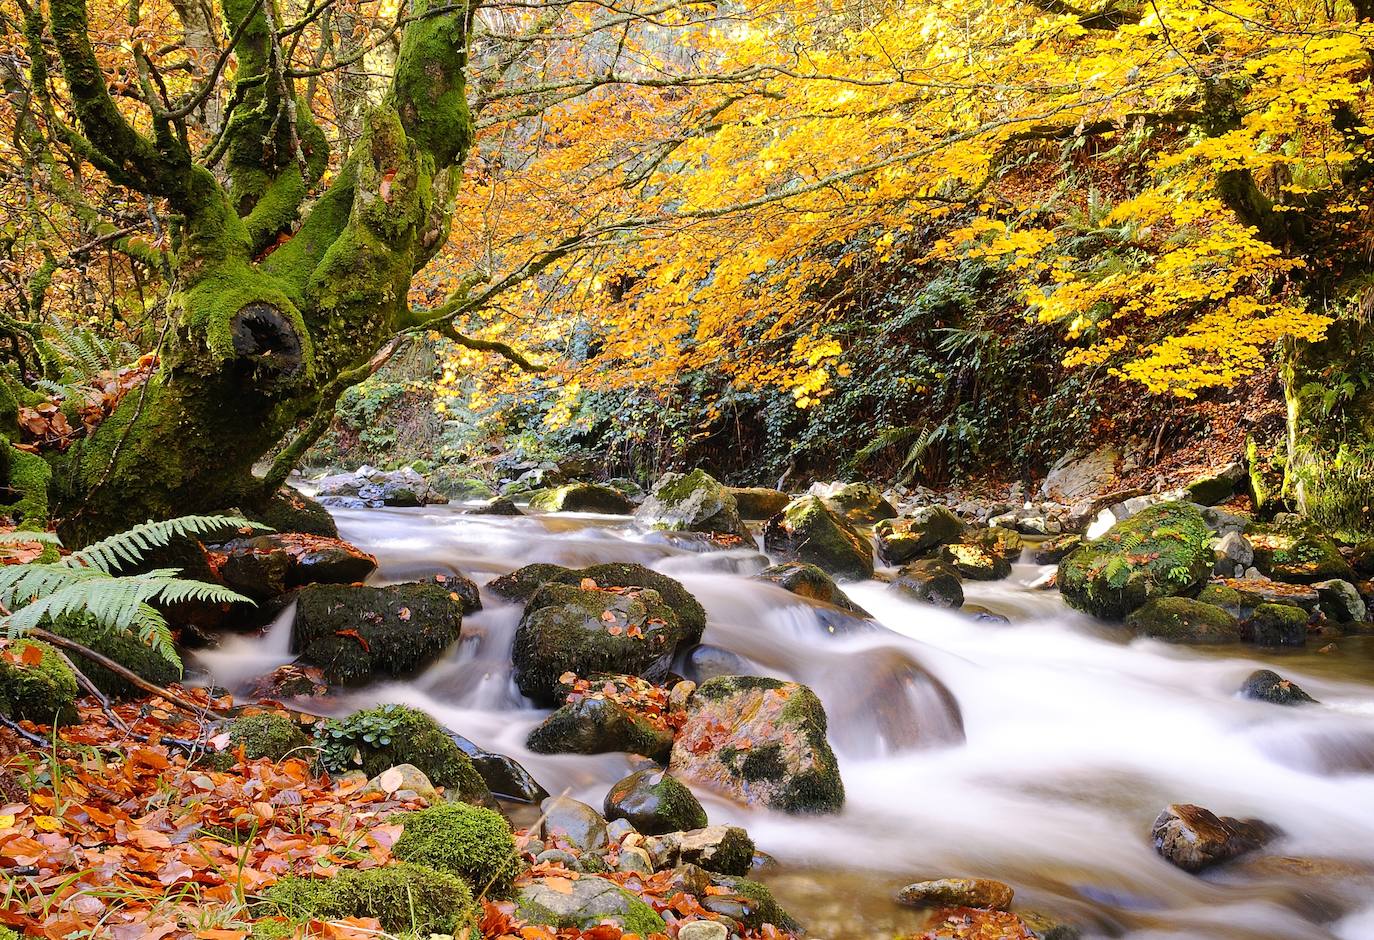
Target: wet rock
(1253, 591)
(290, 510)
(1297, 552)
(1276, 625)
(757, 502)
(1265, 685)
(1217, 487)
(997, 540)
(896, 705)
(500, 506)
(1194, 838)
(983, 614)
(1044, 927)
(930, 582)
(703, 930)
(810, 582)
(268, 565)
(748, 903)
(570, 823)
(404, 781)
(726, 850)
(1341, 601)
(692, 502)
(1233, 554)
(595, 725)
(504, 776)
(654, 802)
(810, 531)
(522, 583)
(981, 893)
(354, 634)
(707, 662)
(1080, 474)
(1181, 620)
(1052, 551)
(761, 741)
(975, 562)
(373, 487)
(586, 903)
(926, 529)
(290, 681)
(1162, 551)
(634, 860)
(858, 503)
(590, 629)
(582, 497)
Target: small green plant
(338, 739)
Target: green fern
(86, 582)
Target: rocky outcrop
(1194, 838)
(857, 503)
(692, 502)
(582, 497)
(1216, 487)
(810, 531)
(926, 529)
(269, 565)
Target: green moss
(290, 511)
(123, 648)
(44, 693)
(469, 841)
(594, 725)
(29, 477)
(760, 907)
(693, 502)
(690, 614)
(380, 738)
(1297, 552)
(1182, 620)
(810, 531)
(273, 928)
(1277, 625)
(582, 497)
(522, 583)
(7, 934)
(266, 735)
(403, 897)
(763, 763)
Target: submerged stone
(930, 582)
(958, 892)
(810, 582)
(1194, 838)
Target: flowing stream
(1067, 739)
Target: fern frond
(20, 536)
(155, 633)
(127, 548)
(886, 439)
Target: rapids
(1067, 739)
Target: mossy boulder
(692, 502)
(585, 630)
(404, 898)
(355, 634)
(1183, 620)
(376, 739)
(749, 903)
(1277, 625)
(36, 684)
(810, 531)
(469, 841)
(124, 648)
(596, 725)
(292, 511)
(582, 497)
(266, 566)
(975, 562)
(1000, 541)
(810, 582)
(654, 802)
(1228, 599)
(859, 503)
(761, 741)
(267, 735)
(930, 582)
(1219, 486)
(1265, 685)
(1297, 552)
(522, 583)
(758, 502)
(586, 903)
(926, 529)
(1162, 551)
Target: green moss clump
(290, 511)
(379, 738)
(469, 841)
(271, 928)
(7, 934)
(522, 583)
(1182, 620)
(123, 648)
(29, 476)
(274, 737)
(582, 497)
(692, 502)
(690, 614)
(1227, 598)
(1298, 553)
(403, 897)
(44, 693)
(1277, 625)
(760, 907)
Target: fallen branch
(29, 736)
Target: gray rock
(703, 930)
(930, 582)
(1341, 601)
(1078, 474)
(584, 903)
(724, 849)
(692, 502)
(573, 823)
(1234, 554)
(1265, 685)
(982, 893)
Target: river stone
(1052, 551)
(692, 502)
(1297, 552)
(586, 903)
(758, 502)
(727, 850)
(761, 741)
(975, 562)
(594, 725)
(571, 823)
(582, 497)
(523, 583)
(810, 531)
(1163, 550)
(859, 503)
(1182, 620)
(404, 781)
(500, 506)
(1233, 554)
(930, 582)
(1212, 488)
(504, 775)
(1194, 838)
(926, 529)
(355, 634)
(982, 893)
(268, 565)
(749, 903)
(999, 540)
(1341, 601)
(1251, 592)
(654, 803)
(1265, 685)
(703, 930)
(810, 582)
(585, 630)
(1276, 625)
(1078, 474)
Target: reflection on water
(1037, 752)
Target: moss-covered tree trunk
(269, 307)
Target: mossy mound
(582, 497)
(1161, 551)
(376, 739)
(585, 630)
(926, 529)
(403, 898)
(1183, 620)
(357, 633)
(1297, 553)
(472, 842)
(590, 901)
(123, 648)
(810, 531)
(522, 583)
(1000, 541)
(1053, 551)
(1277, 625)
(274, 737)
(654, 802)
(692, 502)
(43, 691)
(292, 511)
(594, 725)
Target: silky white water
(1067, 739)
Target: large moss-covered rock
(758, 502)
(761, 741)
(585, 630)
(404, 898)
(36, 684)
(926, 529)
(1297, 552)
(810, 531)
(810, 582)
(469, 841)
(124, 648)
(975, 562)
(597, 725)
(265, 566)
(692, 502)
(1005, 543)
(268, 735)
(1277, 625)
(859, 503)
(293, 511)
(522, 583)
(376, 739)
(1162, 551)
(355, 634)
(1183, 620)
(586, 903)
(654, 802)
(582, 497)
(930, 582)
